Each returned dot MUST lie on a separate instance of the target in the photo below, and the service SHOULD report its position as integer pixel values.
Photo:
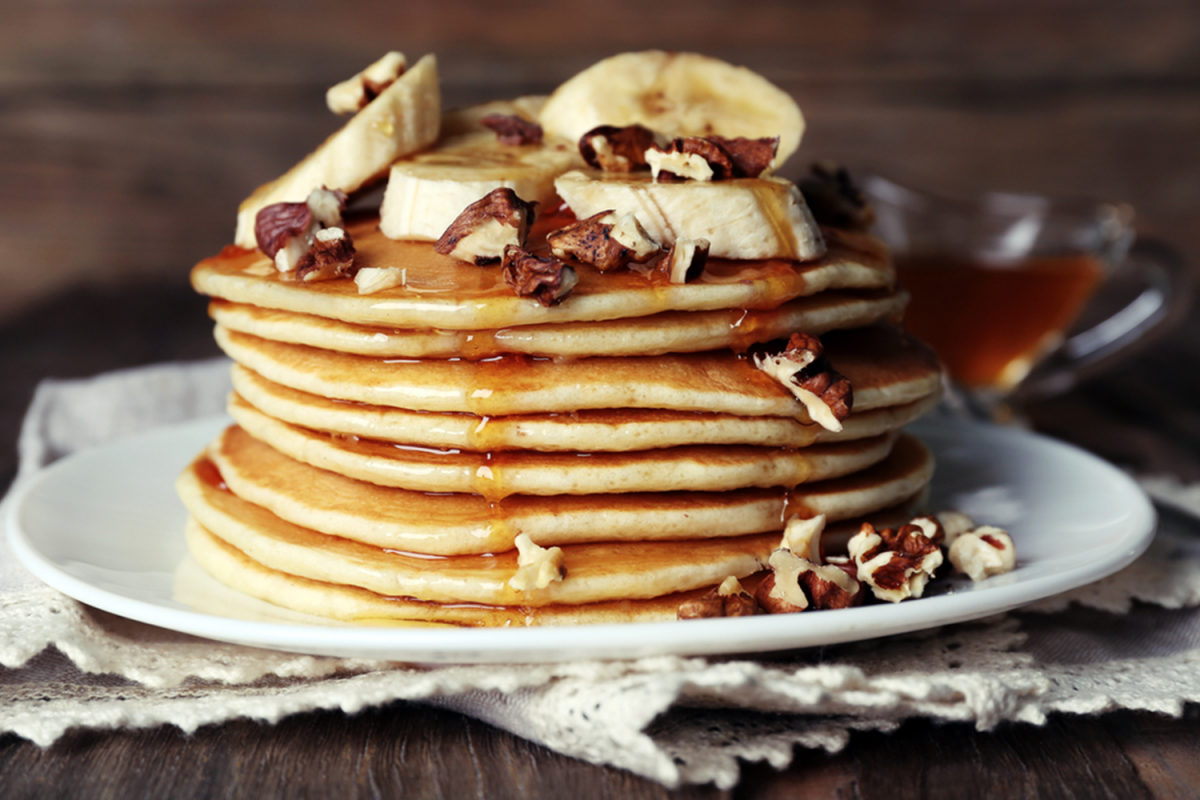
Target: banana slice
(742, 218)
(675, 94)
(404, 118)
(427, 192)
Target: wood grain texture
(130, 131)
(398, 751)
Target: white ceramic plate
(104, 526)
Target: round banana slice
(675, 94)
(426, 192)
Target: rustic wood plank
(1162, 749)
(130, 133)
(401, 750)
(92, 329)
(1068, 757)
(119, 190)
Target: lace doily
(1130, 641)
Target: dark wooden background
(129, 131)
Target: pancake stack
(445, 451)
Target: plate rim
(546, 644)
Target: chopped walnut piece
(738, 602)
(983, 552)
(331, 256)
(805, 371)
(719, 165)
(834, 199)
(353, 94)
(930, 526)
(481, 232)
(592, 241)
(604, 241)
(513, 130)
(796, 584)
(544, 278)
(686, 260)
(279, 224)
(628, 231)
(537, 566)
(722, 158)
(285, 231)
(730, 599)
(706, 606)
(614, 149)
(750, 157)
(896, 564)
(954, 524)
(376, 279)
(677, 165)
(772, 598)
(803, 537)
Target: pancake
(885, 367)
(359, 606)
(460, 524)
(595, 572)
(583, 431)
(441, 292)
(235, 569)
(668, 332)
(715, 468)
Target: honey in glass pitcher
(992, 322)
(998, 280)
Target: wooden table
(130, 134)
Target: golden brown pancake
(462, 523)
(885, 367)
(595, 572)
(708, 468)
(441, 292)
(359, 606)
(582, 431)
(668, 332)
(391, 447)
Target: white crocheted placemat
(1130, 641)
